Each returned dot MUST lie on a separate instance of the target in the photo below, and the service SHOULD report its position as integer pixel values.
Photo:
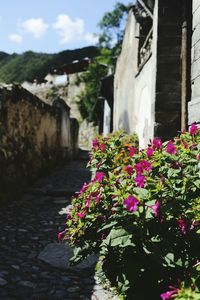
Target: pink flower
(185, 145)
(198, 156)
(102, 147)
(61, 235)
(129, 170)
(156, 208)
(98, 199)
(99, 176)
(143, 166)
(193, 129)
(157, 144)
(168, 295)
(140, 181)
(80, 215)
(132, 150)
(171, 148)
(84, 188)
(131, 203)
(182, 225)
(87, 203)
(95, 143)
(149, 152)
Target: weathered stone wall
(194, 104)
(33, 135)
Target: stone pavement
(28, 242)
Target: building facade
(194, 104)
(153, 75)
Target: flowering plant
(141, 212)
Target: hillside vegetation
(31, 65)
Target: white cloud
(37, 27)
(16, 38)
(91, 38)
(72, 30)
(68, 29)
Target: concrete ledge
(193, 110)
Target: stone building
(153, 76)
(194, 104)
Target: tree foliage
(91, 78)
(31, 65)
(110, 40)
(112, 26)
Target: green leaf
(197, 183)
(141, 193)
(119, 237)
(108, 226)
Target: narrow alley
(29, 225)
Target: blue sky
(50, 25)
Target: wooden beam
(141, 2)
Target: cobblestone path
(31, 223)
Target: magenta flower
(84, 188)
(143, 166)
(157, 144)
(61, 235)
(156, 208)
(140, 181)
(132, 150)
(182, 225)
(102, 147)
(149, 152)
(87, 203)
(198, 156)
(129, 170)
(193, 129)
(95, 143)
(146, 165)
(80, 215)
(171, 148)
(98, 198)
(99, 176)
(168, 295)
(131, 203)
(185, 145)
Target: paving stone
(26, 238)
(28, 284)
(16, 267)
(58, 255)
(73, 289)
(2, 281)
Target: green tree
(110, 40)
(91, 78)
(112, 26)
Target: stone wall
(194, 104)
(33, 135)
